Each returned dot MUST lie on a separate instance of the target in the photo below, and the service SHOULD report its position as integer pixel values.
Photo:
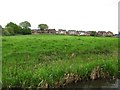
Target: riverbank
(101, 84)
(57, 60)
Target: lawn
(55, 60)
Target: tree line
(23, 28)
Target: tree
(25, 24)
(43, 26)
(13, 26)
(93, 33)
(25, 31)
(20, 29)
(9, 30)
(25, 28)
(1, 29)
(5, 32)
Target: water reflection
(96, 85)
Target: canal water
(96, 84)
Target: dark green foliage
(5, 32)
(43, 26)
(10, 30)
(93, 33)
(14, 28)
(25, 24)
(25, 31)
(19, 29)
(25, 28)
(1, 29)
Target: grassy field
(54, 60)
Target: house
(101, 33)
(72, 32)
(81, 33)
(61, 31)
(117, 35)
(44, 31)
(57, 32)
(78, 33)
(51, 31)
(35, 31)
(109, 33)
(88, 33)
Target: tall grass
(34, 60)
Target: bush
(13, 28)
(11, 31)
(5, 33)
(93, 33)
(25, 31)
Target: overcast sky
(86, 15)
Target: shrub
(8, 31)
(5, 33)
(11, 31)
(25, 31)
(93, 33)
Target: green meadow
(56, 60)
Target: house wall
(82, 33)
(104, 34)
(62, 32)
(72, 32)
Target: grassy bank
(42, 60)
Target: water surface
(96, 84)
